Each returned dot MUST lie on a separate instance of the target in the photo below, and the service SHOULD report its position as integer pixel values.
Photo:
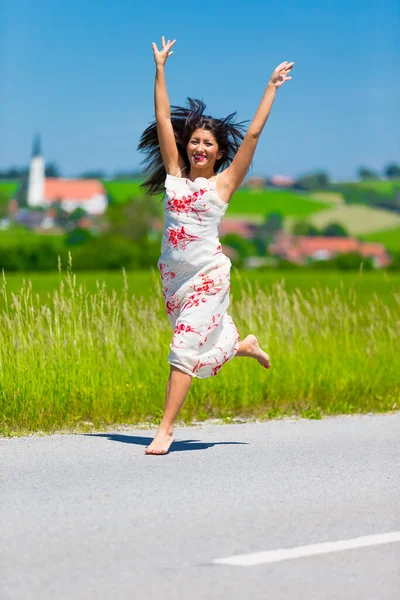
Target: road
(90, 516)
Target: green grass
(265, 202)
(245, 201)
(101, 357)
(120, 191)
(382, 186)
(8, 188)
(141, 283)
(389, 238)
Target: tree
(243, 247)
(134, 219)
(392, 171)
(77, 214)
(52, 170)
(14, 173)
(92, 174)
(366, 173)
(305, 228)
(335, 230)
(317, 180)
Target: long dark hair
(228, 135)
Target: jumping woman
(200, 162)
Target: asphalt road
(90, 516)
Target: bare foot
(161, 443)
(251, 348)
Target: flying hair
(227, 133)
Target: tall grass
(101, 358)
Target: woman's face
(202, 149)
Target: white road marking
(270, 556)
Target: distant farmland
(8, 188)
(317, 207)
(245, 201)
(389, 238)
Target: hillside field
(389, 238)
(319, 207)
(8, 188)
(244, 202)
(358, 219)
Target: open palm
(279, 76)
(160, 56)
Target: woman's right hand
(160, 56)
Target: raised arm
(165, 132)
(233, 176)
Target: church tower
(36, 176)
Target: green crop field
(384, 187)
(145, 284)
(82, 356)
(389, 238)
(121, 191)
(8, 188)
(265, 202)
(245, 201)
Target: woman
(184, 150)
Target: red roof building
(298, 249)
(88, 194)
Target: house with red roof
(42, 191)
(300, 249)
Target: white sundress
(196, 277)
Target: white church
(42, 191)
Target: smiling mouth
(199, 157)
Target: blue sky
(82, 73)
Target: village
(77, 207)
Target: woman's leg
(178, 387)
(250, 347)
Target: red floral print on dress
(185, 204)
(172, 305)
(182, 328)
(200, 365)
(180, 238)
(214, 323)
(220, 365)
(200, 292)
(165, 274)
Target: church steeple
(36, 182)
(37, 146)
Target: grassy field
(389, 238)
(319, 207)
(86, 359)
(264, 202)
(120, 191)
(358, 219)
(8, 187)
(145, 284)
(257, 202)
(386, 187)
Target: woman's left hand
(279, 76)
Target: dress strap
(180, 171)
